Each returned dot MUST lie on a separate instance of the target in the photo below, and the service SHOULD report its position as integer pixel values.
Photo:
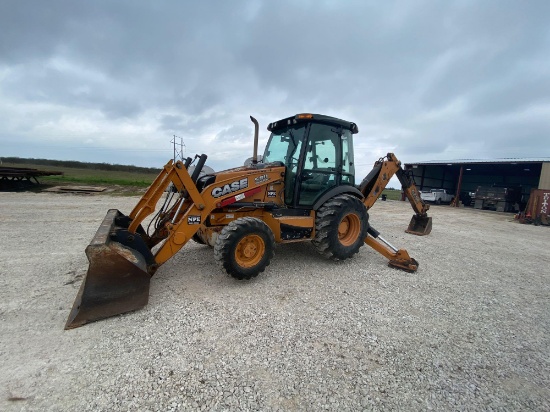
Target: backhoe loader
(303, 190)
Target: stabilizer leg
(398, 258)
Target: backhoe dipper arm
(377, 180)
(411, 192)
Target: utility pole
(179, 148)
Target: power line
(179, 148)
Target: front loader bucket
(117, 280)
(420, 225)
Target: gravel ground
(469, 331)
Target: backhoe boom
(376, 181)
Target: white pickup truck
(436, 196)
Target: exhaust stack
(256, 128)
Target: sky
(115, 81)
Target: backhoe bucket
(117, 280)
(420, 225)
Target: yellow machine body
(239, 212)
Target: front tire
(341, 227)
(244, 247)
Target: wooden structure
(21, 177)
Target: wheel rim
(349, 229)
(249, 251)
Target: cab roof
(311, 117)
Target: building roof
(511, 160)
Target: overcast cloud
(113, 81)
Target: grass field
(90, 177)
(392, 194)
(137, 180)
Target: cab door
(327, 162)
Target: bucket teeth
(117, 280)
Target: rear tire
(244, 247)
(341, 227)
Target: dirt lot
(470, 330)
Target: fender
(337, 191)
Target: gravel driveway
(469, 331)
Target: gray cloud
(427, 79)
(235, 133)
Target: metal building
(463, 177)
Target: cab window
(285, 146)
(320, 164)
(348, 167)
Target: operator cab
(317, 152)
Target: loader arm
(121, 261)
(121, 255)
(179, 223)
(376, 181)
